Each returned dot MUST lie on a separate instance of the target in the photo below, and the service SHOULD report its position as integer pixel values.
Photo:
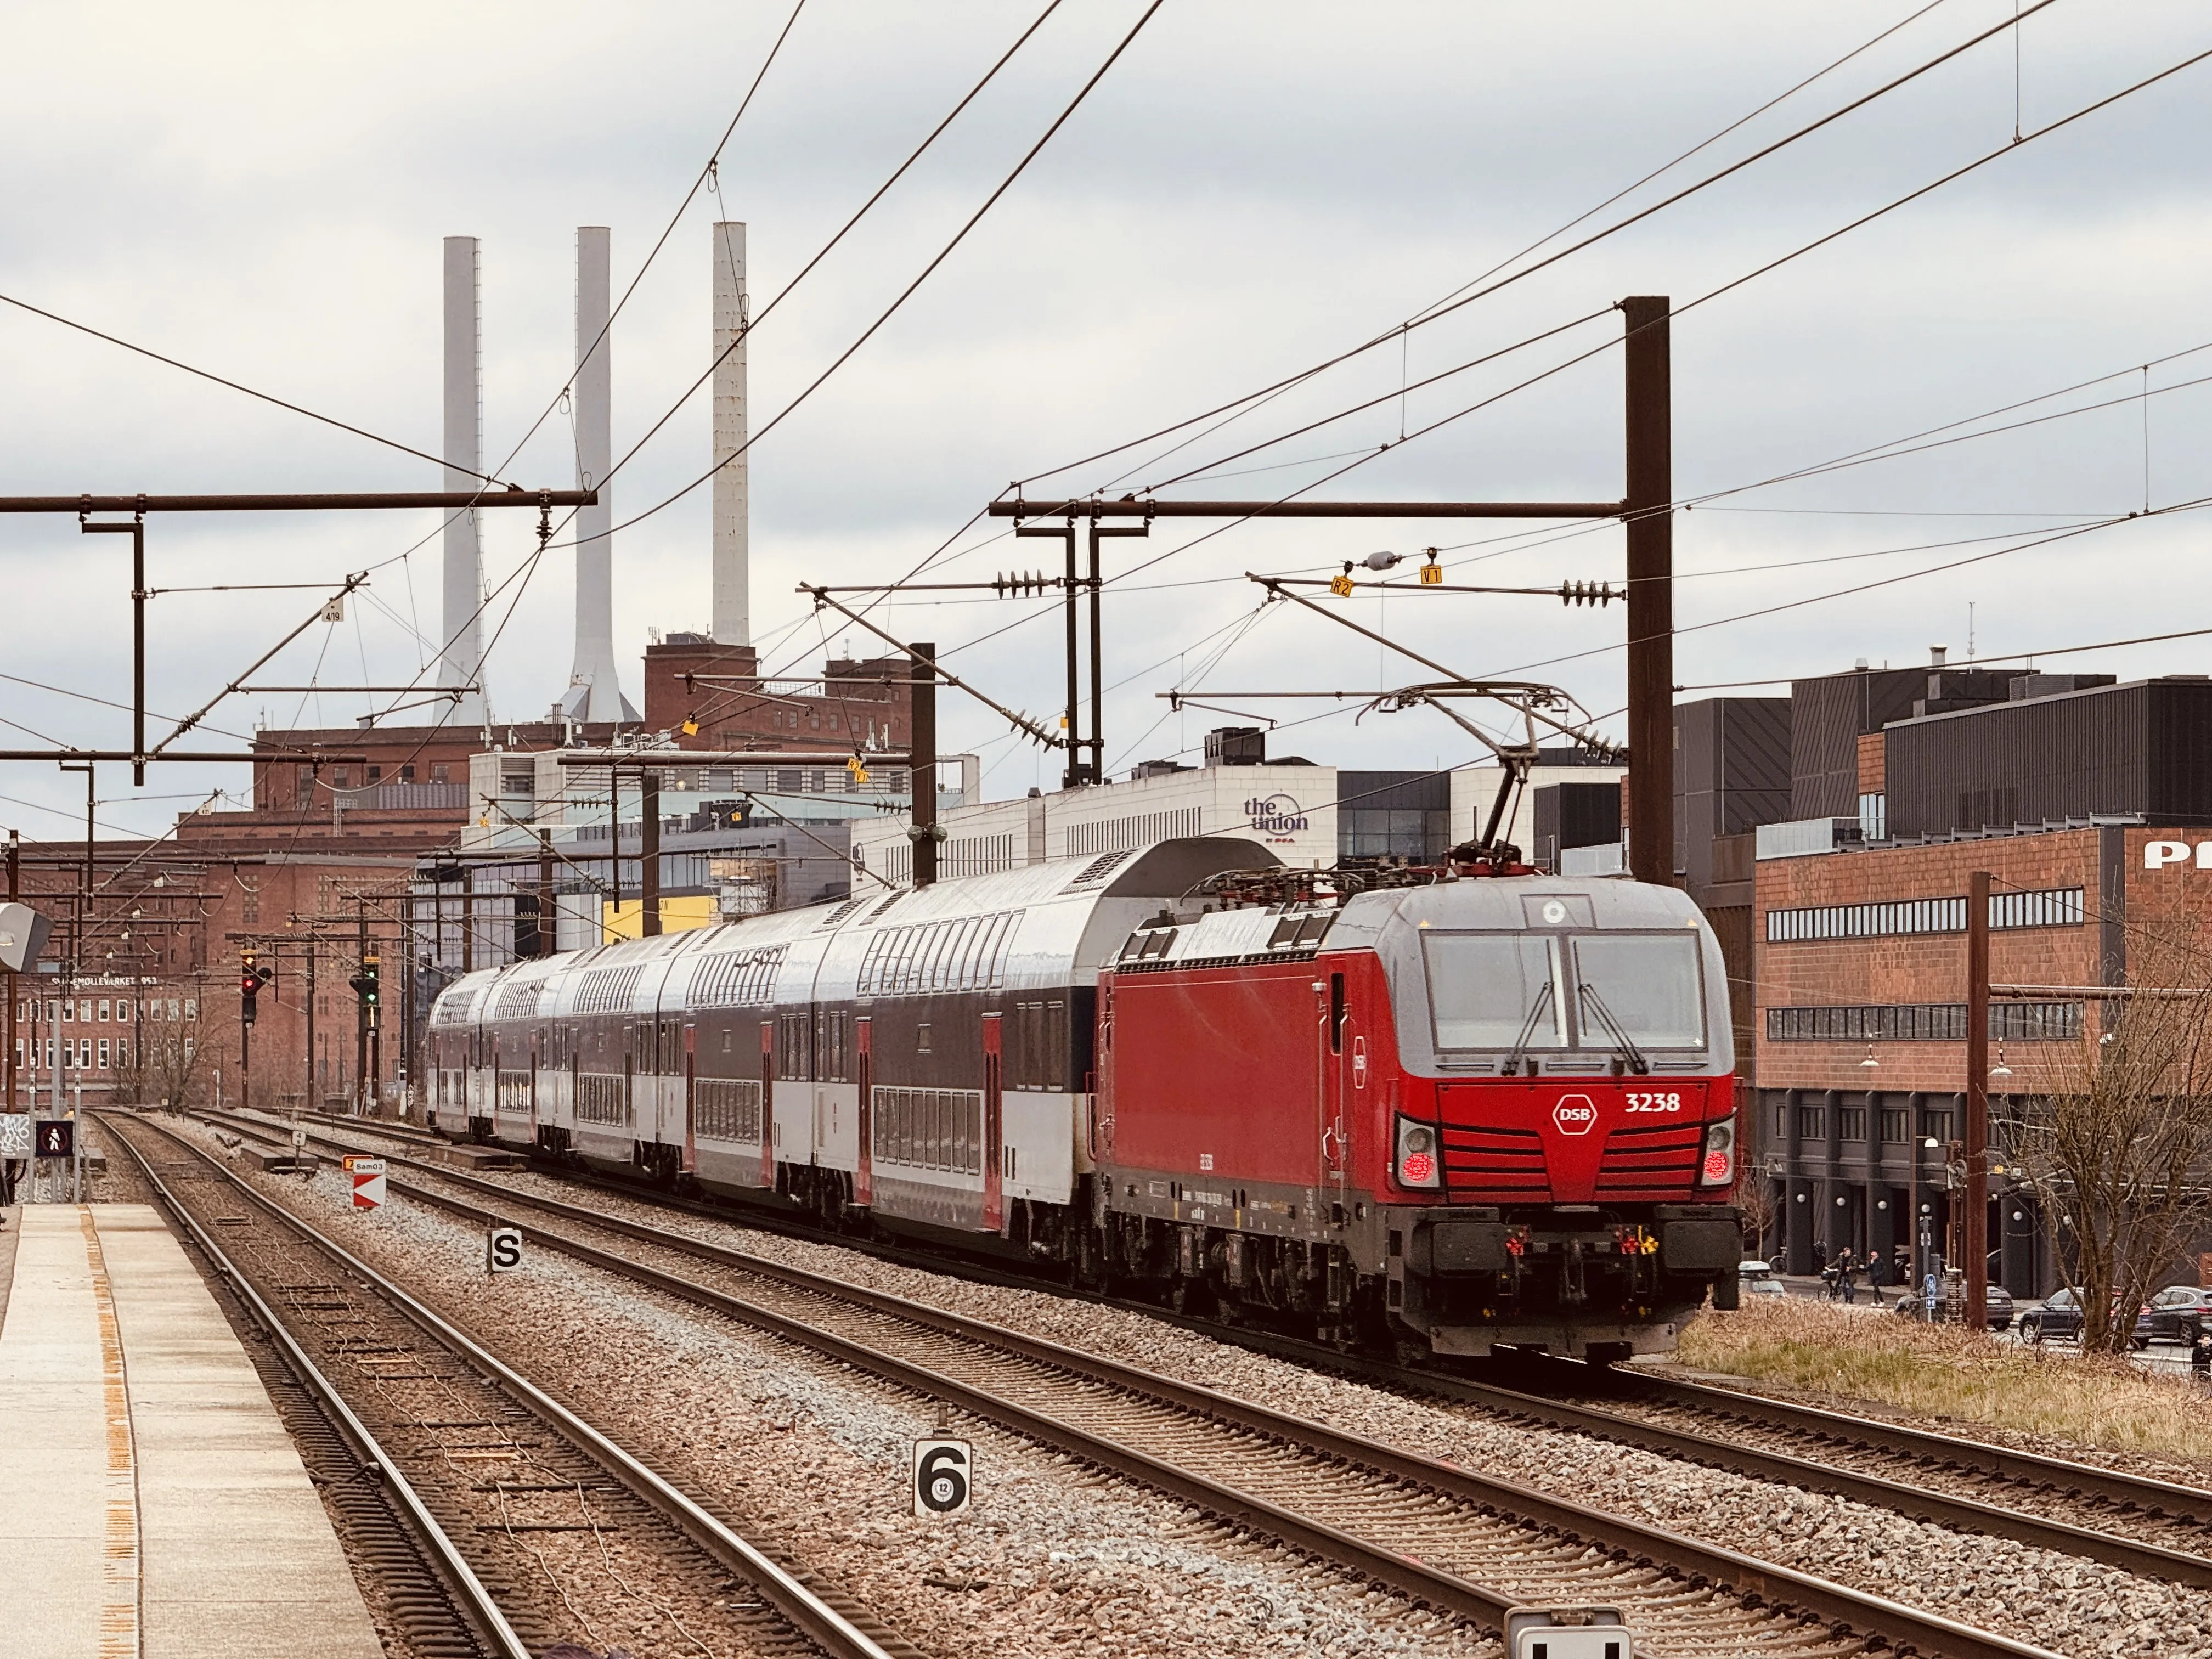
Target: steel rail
(2153, 1496)
(1965, 1515)
(800, 1607)
(1754, 1582)
(476, 1602)
(2038, 1471)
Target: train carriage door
(768, 1103)
(864, 1178)
(690, 1092)
(1328, 1080)
(994, 1193)
(817, 1030)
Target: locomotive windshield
(1645, 985)
(1511, 991)
(1496, 991)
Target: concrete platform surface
(155, 1507)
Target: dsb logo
(1575, 1114)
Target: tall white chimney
(594, 683)
(461, 660)
(734, 623)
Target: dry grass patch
(2091, 1399)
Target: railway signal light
(252, 974)
(364, 983)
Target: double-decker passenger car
(1443, 1115)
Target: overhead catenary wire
(489, 479)
(752, 321)
(1480, 292)
(908, 292)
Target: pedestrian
(1847, 1267)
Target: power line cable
(1726, 287)
(747, 323)
(907, 293)
(236, 385)
(1483, 292)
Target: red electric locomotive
(1478, 1113)
(1457, 1113)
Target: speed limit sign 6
(943, 1477)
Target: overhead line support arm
(1021, 722)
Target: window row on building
(1135, 829)
(1924, 1021)
(122, 1009)
(2058, 907)
(79, 1054)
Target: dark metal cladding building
(2144, 748)
(1568, 815)
(1827, 716)
(1732, 774)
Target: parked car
(1759, 1278)
(1997, 1309)
(2174, 1314)
(2059, 1318)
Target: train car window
(1649, 984)
(1336, 1013)
(1055, 1070)
(971, 932)
(1495, 991)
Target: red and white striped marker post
(368, 1176)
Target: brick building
(328, 853)
(1861, 923)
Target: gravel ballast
(2058, 1601)
(2049, 1600)
(811, 1461)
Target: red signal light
(1716, 1167)
(1420, 1167)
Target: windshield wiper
(1623, 1044)
(1519, 1051)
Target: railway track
(513, 1509)
(2163, 1530)
(1429, 1530)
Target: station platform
(154, 1504)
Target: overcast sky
(261, 190)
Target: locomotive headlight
(1717, 1162)
(1417, 1164)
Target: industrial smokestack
(594, 685)
(461, 660)
(732, 577)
